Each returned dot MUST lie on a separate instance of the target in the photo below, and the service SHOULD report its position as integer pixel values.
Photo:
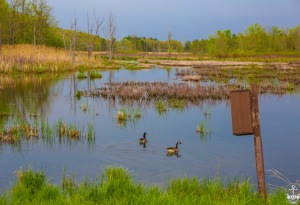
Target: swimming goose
(174, 149)
(143, 140)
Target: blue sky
(185, 19)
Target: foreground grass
(116, 186)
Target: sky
(187, 20)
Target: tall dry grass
(32, 58)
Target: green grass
(95, 74)
(81, 75)
(78, 94)
(124, 115)
(116, 186)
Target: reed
(47, 131)
(91, 133)
(145, 91)
(124, 115)
(39, 59)
(201, 128)
(17, 131)
(116, 186)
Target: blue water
(218, 153)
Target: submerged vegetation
(116, 186)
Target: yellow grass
(32, 58)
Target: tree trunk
(0, 39)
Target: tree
(42, 20)
(73, 40)
(169, 41)
(111, 29)
(256, 38)
(93, 32)
(0, 38)
(294, 34)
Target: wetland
(52, 121)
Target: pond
(216, 153)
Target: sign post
(246, 121)
(260, 170)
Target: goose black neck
(144, 134)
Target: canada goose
(143, 140)
(172, 150)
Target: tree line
(31, 22)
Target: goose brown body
(174, 149)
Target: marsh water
(217, 153)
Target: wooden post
(260, 170)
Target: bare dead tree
(89, 31)
(0, 39)
(73, 37)
(111, 28)
(64, 40)
(169, 41)
(98, 21)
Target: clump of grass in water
(81, 75)
(116, 186)
(95, 74)
(78, 94)
(125, 115)
(70, 131)
(17, 131)
(62, 128)
(201, 129)
(122, 115)
(73, 132)
(91, 133)
(160, 107)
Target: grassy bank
(116, 186)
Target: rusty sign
(241, 112)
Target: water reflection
(24, 95)
(174, 154)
